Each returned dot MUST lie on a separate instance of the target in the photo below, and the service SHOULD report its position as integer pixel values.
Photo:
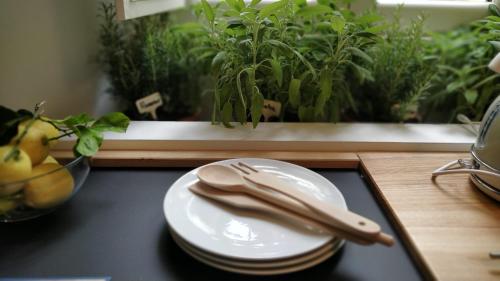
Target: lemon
(48, 190)
(34, 143)
(7, 206)
(50, 159)
(15, 169)
(47, 128)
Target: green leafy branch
(89, 131)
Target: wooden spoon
(250, 203)
(228, 179)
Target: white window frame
(441, 15)
(130, 9)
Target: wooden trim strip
(142, 158)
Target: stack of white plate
(247, 242)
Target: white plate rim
(260, 264)
(265, 272)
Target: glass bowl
(42, 194)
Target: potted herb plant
(148, 55)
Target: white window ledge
(351, 137)
(439, 15)
(433, 4)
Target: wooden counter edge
(415, 254)
(161, 158)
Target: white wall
(47, 52)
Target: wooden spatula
(245, 202)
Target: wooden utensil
(250, 203)
(228, 179)
(333, 216)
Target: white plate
(236, 235)
(259, 271)
(330, 247)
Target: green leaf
(280, 44)
(227, 115)
(72, 121)
(88, 142)
(272, 8)
(9, 121)
(112, 122)
(306, 113)
(362, 73)
(277, 72)
(494, 10)
(231, 13)
(453, 86)
(496, 45)
(216, 106)
(217, 61)
(255, 3)
(240, 112)
(209, 12)
(240, 90)
(26, 114)
(325, 87)
(369, 18)
(484, 98)
(300, 3)
(338, 24)
(234, 4)
(314, 11)
(375, 29)
(294, 92)
(486, 80)
(257, 105)
(359, 53)
(366, 34)
(471, 96)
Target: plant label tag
(495, 63)
(149, 104)
(271, 109)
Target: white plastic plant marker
(149, 104)
(495, 63)
(271, 108)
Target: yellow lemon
(34, 143)
(48, 190)
(49, 130)
(50, 159)
(7, 206)
(12, 170)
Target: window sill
(327, 137)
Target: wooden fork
(335, 217)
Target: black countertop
(115, 227)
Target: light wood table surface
(450, 226)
